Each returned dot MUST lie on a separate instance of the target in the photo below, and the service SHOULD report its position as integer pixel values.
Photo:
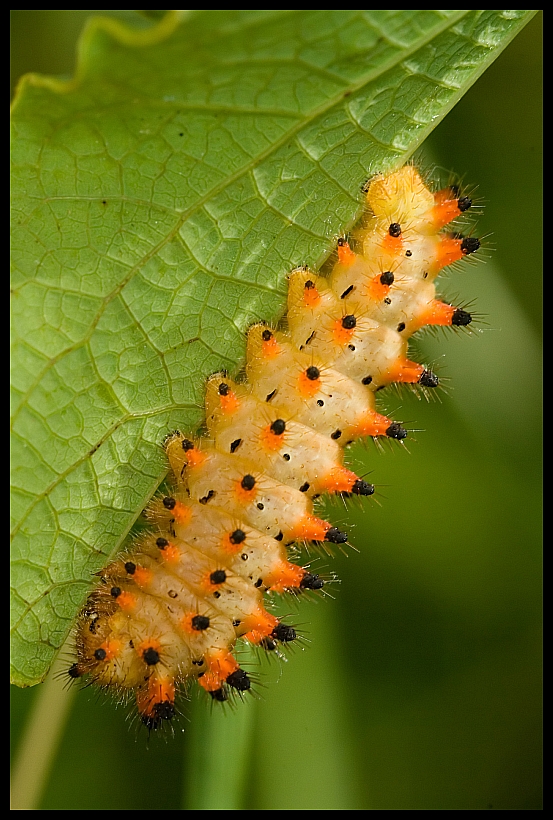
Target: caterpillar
(243, 495)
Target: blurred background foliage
(419, 683)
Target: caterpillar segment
(173, 607)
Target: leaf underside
(159, 200)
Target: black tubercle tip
(218, 576)
(151, 656)
(74, 671)
(187, 444)
(284, 633)
(396, 431)
(239, 680)
(336, 536)
(311, 581)
(268, 644)
(461, 318)
(387, 278)
(169, 503)
(200, 622)
(278, 427)
(429, 379)
(161, 711)
(470, 244)
(395, 229)
(248, 482)
(362, 488)
(464, 203)
(219, 695)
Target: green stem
(219, 747)
(39, 743)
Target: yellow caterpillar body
(173, 607)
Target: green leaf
(159, 200)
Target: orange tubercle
(271, 440)
(195, 457)
(127, 601)
(182, 513)
(309, 382)
(393, 244)
(231, 543)
(245, 489)
(436, 313)
(405, 371)
(448, 251)
(376, 288)
(445, 210)
(170, 554)
(448, 206)
(270, 348)
(229, 402)
(311, 296)
(192, 623)
(345, 254)
(259, 624)
(142, 577)
(111, 648)
(284, 576)
(220, 664)
(158, 690)
(374, 424)
(342, 335)
(310, 528)
(338, 480)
